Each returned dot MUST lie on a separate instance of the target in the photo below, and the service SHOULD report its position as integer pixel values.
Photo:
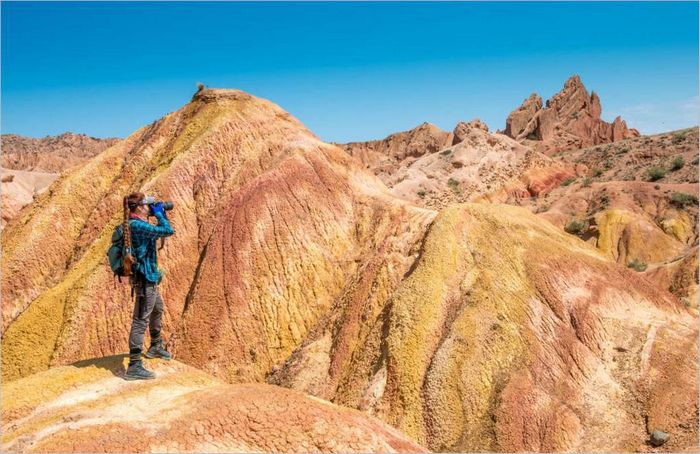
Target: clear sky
(349, 71)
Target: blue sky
(349, 71)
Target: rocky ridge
(51, 154)
(636, 200)
(570, 119)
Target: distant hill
(52, 154)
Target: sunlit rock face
(510, 335)
(269, 221)
(475, 326)
(568, 120)
(89, 407)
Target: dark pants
(148, 311)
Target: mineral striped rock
(19, 188)
(476, 327)
(88, 407)
(272, 226)
(650, 224)
(511, 335)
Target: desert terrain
(530, 289)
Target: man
(148, 309)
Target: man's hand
(157, 208)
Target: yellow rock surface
(288, 217)
(626, 236)
(508, 335)
(89, 407)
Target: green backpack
(119, 253)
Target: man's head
(134, 203)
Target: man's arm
(148, 230)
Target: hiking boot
(136, 371)
(157, 351)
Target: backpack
(119, 253)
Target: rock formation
(88, 407)
(36, 163)
(651, 225)
(384, 157)
(52, 154)
(479, 327)
(478, 165)
(462, 130)
(511, 335)
(569, 120)
(468, 164)
(266, 215)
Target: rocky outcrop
(519, 120)
(51, 154)
(462, 130)
(88, 407)
(511, 335)
(611, 202)
(384, 157)
(569, 120)
(471, 164)
(480, 166)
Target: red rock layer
(570, 120)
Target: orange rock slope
(295, 219)
(88, 407)
(19, 188)
(481, 327)
(636, 200)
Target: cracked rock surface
(89, 407)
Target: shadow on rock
(114, 364)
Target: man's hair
(133, 200)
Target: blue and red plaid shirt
(143, 244)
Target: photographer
(148, 309)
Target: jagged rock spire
(570, 119)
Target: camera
(149, 200)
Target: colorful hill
(478, 327)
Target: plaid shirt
(143, 244)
